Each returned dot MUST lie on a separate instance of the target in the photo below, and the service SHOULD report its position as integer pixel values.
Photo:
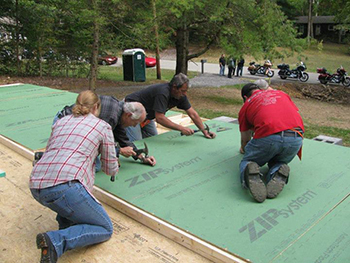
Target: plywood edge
(18, 148)
(168, 230)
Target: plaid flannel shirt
(71, 151)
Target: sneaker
(253, 180)
(48, 252)
(276, 184)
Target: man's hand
(127, 151)
(147, 160)
(241, 150)
(187, 131)
(209, 135)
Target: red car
(105, 59)
(150, 62)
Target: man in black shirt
(157, 100)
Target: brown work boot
(253, 180)
(276, 184)
(48, 252)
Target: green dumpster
(134, 66)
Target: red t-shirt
(267, 112)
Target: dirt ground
(319, 104)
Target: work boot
(48, 252)
(276, 184)
(253, 180)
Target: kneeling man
(273, 120)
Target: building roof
(315, 20)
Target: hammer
(144, 150)
(138, 152)
(206, 128)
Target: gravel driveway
(215, 80)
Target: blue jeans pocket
(61, 206)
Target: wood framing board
(22, 218)
(180, 236)
(178, 118)
(195, 186)
(27, 112)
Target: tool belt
(291, 133)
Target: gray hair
(135, 108)
(261, 83)
(179, 80)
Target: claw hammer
(206, 129)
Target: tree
(240, 26)
(310, 32)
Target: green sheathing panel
(327, 241)
(195, 186)
(27, 112)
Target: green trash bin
(134, 65)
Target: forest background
(56, 43)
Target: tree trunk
(94, 65)
(40, 58)
(310, 33)
(17, 40)
(181, 50)
(159, 76)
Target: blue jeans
(222, 70)
(239, 71)
(137, 133)
(82, 221)
(274, 150)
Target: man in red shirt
(273, 120)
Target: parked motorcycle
(263, 70)
(339, 77)
(297, 73)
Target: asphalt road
(213, 68)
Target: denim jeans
(137, 133)
(222, 70)
(239, 71)
(82, 220)
(274, 150)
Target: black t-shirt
(222, 61)
(157, 98)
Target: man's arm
(245, 138)
(198, 121)
(164, 121)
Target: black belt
(290, 133)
